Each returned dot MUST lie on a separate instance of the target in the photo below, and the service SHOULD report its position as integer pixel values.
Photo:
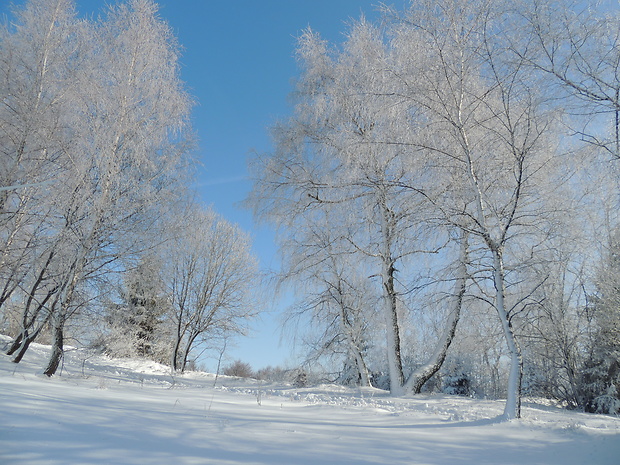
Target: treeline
(446, 193)
(100, 240)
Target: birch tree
(493, 134)
(577, 45)
(41, 62)
(434, 124)
(124, 146)
(334, 294)
(344, 151)
(131, 137)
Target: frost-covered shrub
(380, 380)
(301, 379)
(239, 369)
(608, 403)
(457, 384)
(273, 374)
(456, 379)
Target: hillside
(107, 411)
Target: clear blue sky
(238, 64)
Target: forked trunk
(17, 342)
(362, 369)
(422, 374)
(23, 345)
(23, 340)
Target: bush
(301, 378)
(456, 380)
(239, 369)
(273, 374)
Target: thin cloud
(220, 181)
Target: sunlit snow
(110, 411)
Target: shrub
(239, 369)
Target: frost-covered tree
(344, 156)
(41, 58)
(212, 283)
(601, 371)
(117, 147)
(131, 134)
(135, 323)
(434, 136)
(334, 297)
(490, 133)
(577, 45)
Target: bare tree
(212, 282)
(40, 79)
(429, 125)
(132, 138)
(577, 45)
(335, 297)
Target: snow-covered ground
(108, 411)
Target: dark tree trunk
(17, 342)
(25, 338)
(188, 348)
(57, 348)
(23, 348)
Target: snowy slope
(105, 411)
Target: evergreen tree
(601, 374)
(136, 325)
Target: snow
(107, 411)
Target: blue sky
(238, 63)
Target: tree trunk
(392, 334)
(175, 354)
(392, 326)
(348, 332)
(22, 348)
(17, 342)
(362, 369)
(25, 338)
(190, 343)
(512, 409)
(422, 374)
(57, 347)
